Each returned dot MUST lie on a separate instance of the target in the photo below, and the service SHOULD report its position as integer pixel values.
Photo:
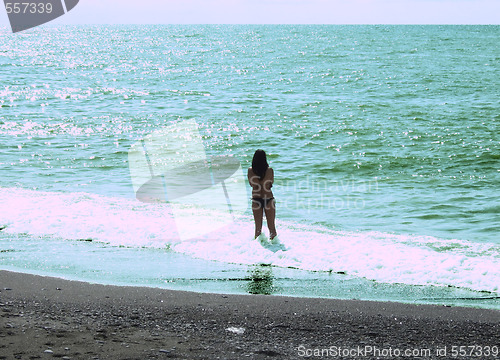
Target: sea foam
(382, 257)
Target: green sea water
(370, 129)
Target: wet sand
(44, 318)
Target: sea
(384, 142)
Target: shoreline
(262, 290)
(45, 317)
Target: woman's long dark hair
(259, 163)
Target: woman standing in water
(261, 178)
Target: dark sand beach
(43, 318)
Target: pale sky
(280, 12)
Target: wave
(378, 256)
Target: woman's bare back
(261, 188)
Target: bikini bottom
(262, 201)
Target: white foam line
(383, 257)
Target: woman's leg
(270, 211)
(258, 214)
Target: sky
(280, 12)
